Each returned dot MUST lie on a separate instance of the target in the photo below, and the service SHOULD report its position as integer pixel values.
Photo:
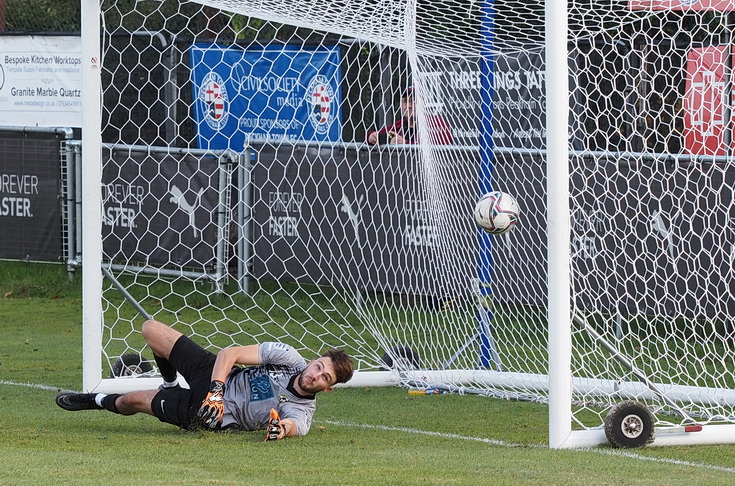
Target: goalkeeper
(276, 392)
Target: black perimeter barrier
(650, 234)
(33, 193)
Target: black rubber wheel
(400, 357)
(629, 425)
(130, 364)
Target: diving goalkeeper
(276, 391)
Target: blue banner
(265, 94)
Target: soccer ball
(496, 212)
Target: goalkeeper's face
(318, 376)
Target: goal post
(91, 202)
(557, 163)
(231, 192)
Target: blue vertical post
(487, 352)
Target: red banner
(705, 101)
(718, 5)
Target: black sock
(109, 402)
(168, 372)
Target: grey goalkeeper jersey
(250, 393)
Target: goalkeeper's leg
(161, 339)
(180, 354)
(127, 404)
(134, 402)
(176, 406)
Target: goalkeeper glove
(213, 407)
(275, 429)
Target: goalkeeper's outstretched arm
(212, 409)
(279, 428)
(290, 427)
(229, 357)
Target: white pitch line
(425, 432)
(35, 385)
(632, 455)
(609, 452)
(502, 443)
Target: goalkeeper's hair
(342, 364)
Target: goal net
(306, 172)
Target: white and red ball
(497, 212)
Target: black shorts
(179, 406)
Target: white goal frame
(559, 380)
(560, 311)
(557, 139)
(92, 316)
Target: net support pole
(91, 213)
(557, 143)
(487, 353)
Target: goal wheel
(130, 364)
(629, 425)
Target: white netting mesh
(239, 229)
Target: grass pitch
(359, 436)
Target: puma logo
(189, 208)
(352, 215)
(659, 225)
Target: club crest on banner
(321, 96)
(213, 95)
